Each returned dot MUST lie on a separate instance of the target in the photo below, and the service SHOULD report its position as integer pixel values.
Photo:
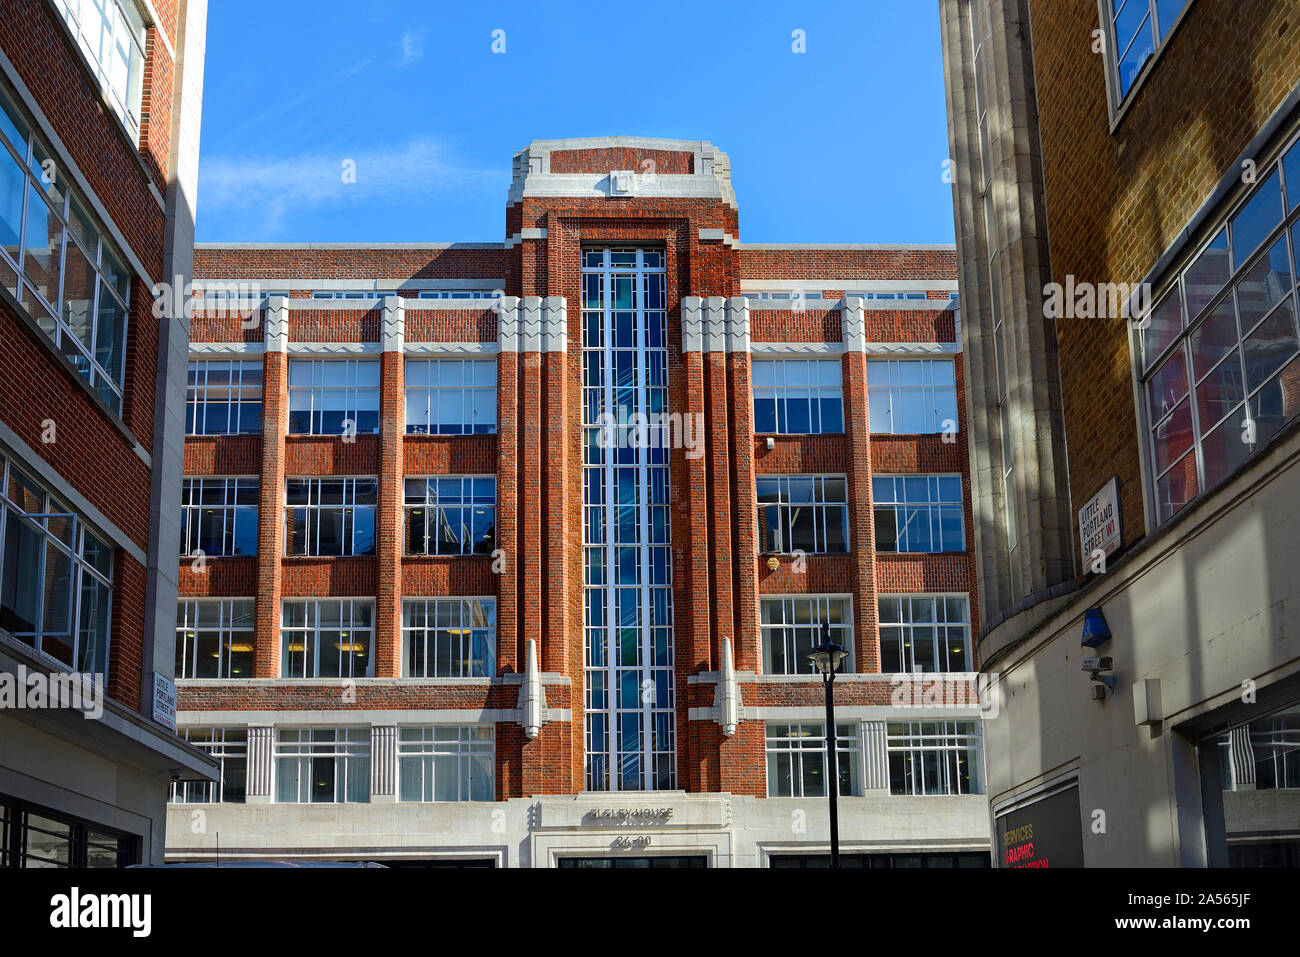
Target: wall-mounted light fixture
(1095, 630)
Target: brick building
(99, 121)
(1127, 186)
(477, 537)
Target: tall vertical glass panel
(627, 538)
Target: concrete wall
(734, 831)
(1209, 604)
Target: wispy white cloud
(268, 188)
(412, 46)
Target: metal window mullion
(610, 506)
(639, 284)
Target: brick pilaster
(390, 544)
(270, 501)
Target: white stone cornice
(797, 348)
(555, 334)
(277, 324)
(508, 324)
(433, 349)
(853, 325)
(715, 324)
(738, 332)
(303, 349)
(530, 324)
(205, 349)
(394, 324)
(692, 324)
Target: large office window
(806, 513)
(449, 637)
(322, 765)
(451, 396)
(56, 575)
(111, 33)
(792, 626)
(446, 763)
(918, 513)
(333, 396)
(74, 285)
(627, 532)
(229, 747)
(798, 396)
(1138, 29)
(934, 757)
(327, 638)
(219, 516)
(451, 515)
(39, 838)
(911, 396)
(796, 759)
(214, 638)
(1220, 353)
(924, 633)
(331, 516)
(224, 397)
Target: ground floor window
(446, 763)
(229, 747)
(633, 863)
(322, 765)
(962, 859)
(1250, 787)
(36, 837)
(934, 757)
(796, 759)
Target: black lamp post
(826, 657)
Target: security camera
(176, 776)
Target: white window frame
(349, 749)
(908, 513)
(428, 379)
(819, 611)
(907, 743)
(230, 639)
(420, 498)
(107, 31)
(806, 740)
(83, 586)
(244, 389)
(903, 631)
(460, 615)
(327, 382)
(772, 380)
(788, 512)
(893, 392)
(305, 639)
(228, 747)
(314, 508)
(79, 233)
(424, 750)
(193, 505)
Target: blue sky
(842, 143)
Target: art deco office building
(513, 554)
(1127, 193)
(99, 121)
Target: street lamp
(826, 658)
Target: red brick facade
(536, 456)
(103, 456)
